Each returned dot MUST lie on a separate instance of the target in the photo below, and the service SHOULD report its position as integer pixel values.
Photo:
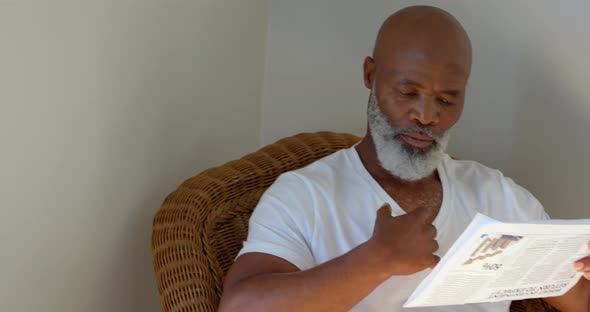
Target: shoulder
(298, 190)
(498, 195)
(472, 176)
(472, 170)
(476, 176)
(319, 174)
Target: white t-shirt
(322, 211)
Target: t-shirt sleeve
(528, 207)
(281, 222)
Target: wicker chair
(200, 227)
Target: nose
(425, 111)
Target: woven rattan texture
(200, 227)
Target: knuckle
(429, 229)
(429, 261)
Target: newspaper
(494, 261)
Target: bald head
(423, 32)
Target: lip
(417, 140)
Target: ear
(369, 72)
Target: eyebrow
(453, 93)
(410, 82)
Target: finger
(587, 273)
(430, 230)
(435, 261)
(432, 213)
(384, 211)
(434, 246)
(582, 265)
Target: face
(419, 91)
(416, 99)
(397, 157)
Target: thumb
(384, 212)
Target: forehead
(421, 64)
(428, 57)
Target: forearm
(336, 285)
(575, 300)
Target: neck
(368, 155)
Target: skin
(420, 67)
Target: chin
(416, 151)
(406, 161)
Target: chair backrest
(201, 226)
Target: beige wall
(106, 106)
(527, 110)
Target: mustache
(416, 129)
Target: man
(358, 229)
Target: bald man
(358, 230)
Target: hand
(583, 265)
(405, 244)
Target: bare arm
(578, 298)
(399, 246)
(262, 282)
(575, 300)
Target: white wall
(551, 151)
(105, 107)
(527, 112)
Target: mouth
(417, 140)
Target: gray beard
(397, 157)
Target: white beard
(397, 157)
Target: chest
(345, 219)
(349, 222)
(429, 195)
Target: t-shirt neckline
(396, 209)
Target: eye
(408, 93)
(445, 101)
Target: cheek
(449, 117)
(394, 110)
